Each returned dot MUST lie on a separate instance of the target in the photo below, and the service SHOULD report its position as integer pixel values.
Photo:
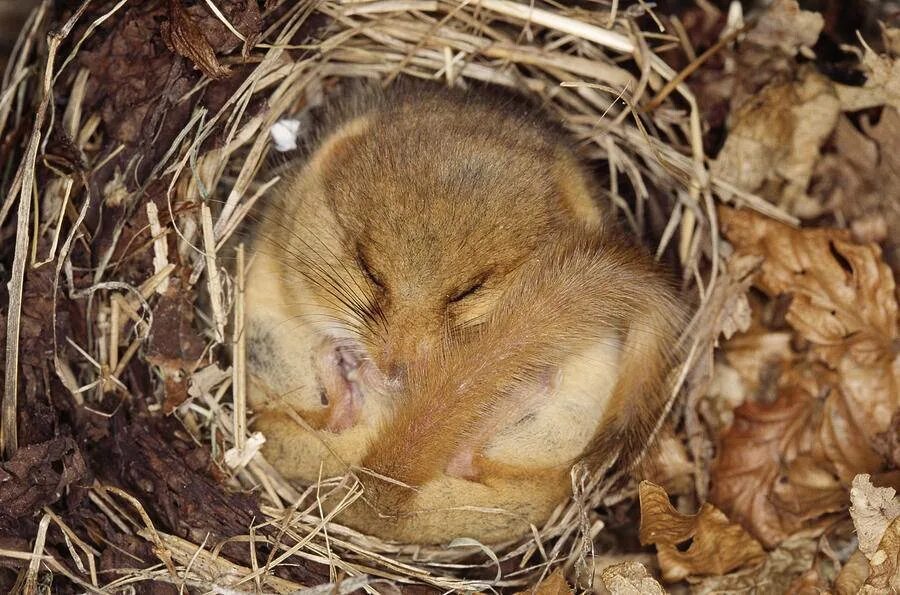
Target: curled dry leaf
(784, 464)
(786, 27)
(872, 511)
(185, 37)
(775, 137)
(884, 564)
(630, 578)
(777, 573)
(717, 545)
(842, 301)
(555, 584)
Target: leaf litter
(806, 386)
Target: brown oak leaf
(785, 464)
(717, 545)
(555, 584)
(185, 37)
(884, 564)
(765, 475)
(842, 301)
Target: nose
(405, 342)
(399, 356)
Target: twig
(688, 70)
(37, 553)
(239, 363)
(160, 247)
(214, 284)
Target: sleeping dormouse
(438, 304)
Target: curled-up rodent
(438, 304)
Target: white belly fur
(562, 425)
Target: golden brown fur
(437, 299)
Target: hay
(595, 70)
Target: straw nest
(140, 161)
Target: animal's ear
(335, 149)
(577, 191)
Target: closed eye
(466, 291)
(367, 270)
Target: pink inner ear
(334, 367)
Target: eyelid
(367, 270)
(469, 290)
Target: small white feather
(284, 134)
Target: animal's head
(405, 221)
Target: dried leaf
(717, 546)
(786, 27)
(853, 574)
(842, 301)
(667, 464)
(872, 511)
(888, 443)
(736, 315)
(785, 465)
(555, 584)
(185, 37)
(630, 578)
(782, 566)
(860, 180)
(882, 84)
(759, 355)
(725, 393)
(774, 140)
(808, 583)
(764, 477)
(884, 564)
